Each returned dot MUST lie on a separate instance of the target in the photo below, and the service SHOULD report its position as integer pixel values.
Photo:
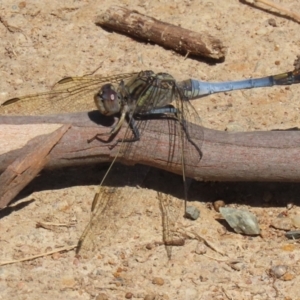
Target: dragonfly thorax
(108, 100)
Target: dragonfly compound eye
(107, 100)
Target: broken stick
(28, 165)
(146, 28)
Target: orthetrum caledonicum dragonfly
(136, 95)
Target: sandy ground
(43, 41)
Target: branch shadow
(255, 194)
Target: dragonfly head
(107, 100)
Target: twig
(66, 248)
(167, 35)
(208, 243)
(229, 297)
(216, 259)
(52, 226)
(282, 10)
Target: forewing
(71, 94)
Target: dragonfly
(135, 96)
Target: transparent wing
(111, 205)
(190, 121)
(107, 201)
(71, 94)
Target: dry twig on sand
(62, 249)
(148, 29)
(279, 8)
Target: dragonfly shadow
(120, 175)
(100, 119)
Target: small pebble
(282, 223)
(217, 204)
(150, 246)
(203, 278)
(288, 277)
(278, 271)
(289, 206)
(201, 249)
(288, 247)
(238, 266)
(272, 22)
(296, 221)
(158, 281)
(22, 4)
(192, 213)
(150, 297)
(128, 295)
(56, 256)
(102, 296)
(262, 31)
(293, 234)
(191, 294)
(241, 221)
(222, 230)
(283, 214)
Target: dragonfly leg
(133, 127)
(185, 128)
(99, 135)
(113, 131)
(169, 109)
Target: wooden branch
(251, 156)
(146, 28)
(27, 165)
